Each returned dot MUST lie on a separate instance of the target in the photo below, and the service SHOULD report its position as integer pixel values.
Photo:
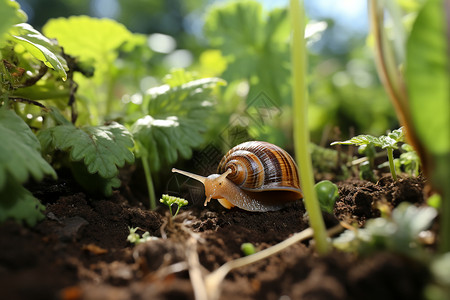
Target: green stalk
(390, 153)
(148, 178)
(301, 132)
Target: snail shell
(258, 166)
(255, 176)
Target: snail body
(254, 176)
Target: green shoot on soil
(171, 200)
(388, 142)
(327, 193)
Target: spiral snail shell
(255, 176)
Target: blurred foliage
(246, 45)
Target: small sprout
(248, 249)
(434, 201)
(171, 200)
(398, 232)
(327, 193)
(135, 238)
(388, 142)
(410, 160)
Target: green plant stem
(390, 153)
(176, 213)
(301, 133)
(148, 178)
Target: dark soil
(80, 250)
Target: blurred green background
(249, 49)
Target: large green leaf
(253, 42)
(20, 151)
(428, 82)
(102, 148)
(40, 47)
(18, 203)
(88, 38)
(10, 14)
(428, 77)
(175, 120)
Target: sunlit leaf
(253, 42)
(175, 120)
(40, 47)
(10, 14)
(88, 38)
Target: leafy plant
(252, 41)
(171, 200)
(173, 122)
(25, 56)
(398, 233)
(327, 194)
(388, 142)
(421, 101)
(136, 239)
(101, 149)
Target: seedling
(388, 142)
(171, 200)
(327, 193)
(398, 232)
(135, 238)
(248, 249)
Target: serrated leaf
(20, 156)
(102, 148)
(176, 120)
(40, 47)
(10, 14)
(18, 203)
(389, 141)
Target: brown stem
(28, 101)
(32, 80)
(396, 89)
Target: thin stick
(213, 280)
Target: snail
(254, 176)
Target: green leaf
(88, 38)
(176, 120)
(389, 141)
(253, 42)
(18, 203)
(20, 153)
(93, 183)
(327, 193)
(427, 76)
(10, 14)
(102, 148)
(40, 47)
(399, 233)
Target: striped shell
(261, 166)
